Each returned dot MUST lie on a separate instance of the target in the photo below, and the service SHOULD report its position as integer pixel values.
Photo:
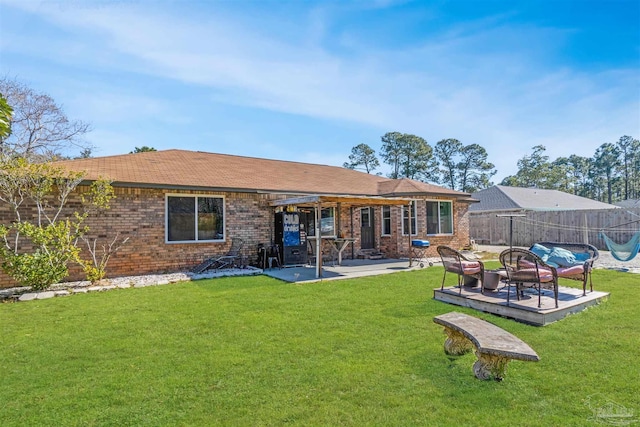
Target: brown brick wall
(397, 244)
(139, 214)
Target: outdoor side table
(492, 279)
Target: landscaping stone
(46, 295)
(82, 287)
(28, 297)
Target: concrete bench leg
(490, 367)
(456, 344)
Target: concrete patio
(350, 268)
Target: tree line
(611, 174)
(450, 163)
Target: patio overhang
(313, 200)
(318, 201)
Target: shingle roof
(196, 169)
(407, 187)
(631, 203)
(500, 197)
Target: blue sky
(308, 80)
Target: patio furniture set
(540, 267)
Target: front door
(367, 237)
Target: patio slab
(350, 268)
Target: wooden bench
(494, 346)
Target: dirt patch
(487, 255)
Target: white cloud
(483, 82)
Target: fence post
(586, 229)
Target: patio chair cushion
(581, 257)
(542, 251)
(573, 270)
(525, 263)
(561, 257)
(570, 271)
(526, 274)
(468, 267)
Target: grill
(418, 249)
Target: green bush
(36, 250)
(54, 248)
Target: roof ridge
(110, 156)
(279, 160)
(179, 150)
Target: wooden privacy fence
(580, 226)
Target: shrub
(37, 249)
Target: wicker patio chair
(524, 269)
(456, 263)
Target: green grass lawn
(257, 351)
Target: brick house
(179, 207)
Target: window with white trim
(405, 219)
(386, 220)
(191, 218)
(439, 217)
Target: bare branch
(39, 127)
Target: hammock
(624, 252)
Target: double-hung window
(192, 218)
(405, 219)
(439, 217)
(386, 220)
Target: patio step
(370, 254)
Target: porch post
(409, 233)
(338, 221)
(318, 242)
(353, 254)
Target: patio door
(367, 236)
